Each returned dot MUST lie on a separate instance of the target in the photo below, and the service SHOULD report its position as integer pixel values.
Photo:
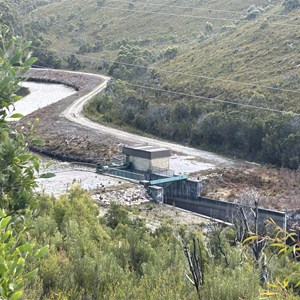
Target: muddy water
(41, 95)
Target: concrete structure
(222, 210)
(146, 158)
(157, 193)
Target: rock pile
(131, 196)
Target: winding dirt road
(74, 114)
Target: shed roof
(148, 152)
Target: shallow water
(41, 95)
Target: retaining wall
(223, 210)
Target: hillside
(102, 26)
(212, 74)
(243, 39)
(69, 248)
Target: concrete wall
(222, 210)
(162, 163)
(157, 193)
(144, 164)
(185, 189)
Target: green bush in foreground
(17, 176)
(118, 257)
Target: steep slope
(70, 25)
(240, 47)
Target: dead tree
(247, 223)
(215, 240)
(195, 260)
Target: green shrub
(241, 282)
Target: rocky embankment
(129, 196)
(63, 138)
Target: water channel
(41, 95)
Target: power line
(213, 99)
(272, 64)
(187, 74)
(177, 6)
(198, 8)
(172, 72)
(194, 41)
(182, 15)
(183, 45)
(195, 17)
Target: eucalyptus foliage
(15, 250)
(15, 61)
(118, 257)
(17, 175)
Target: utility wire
(252, 84)
(197, 96)
(167, 5)
(187, 74)
(198, 8)
(195, 42)
(181, 15)
(182, 45)
(195, 17)
(213, 99)
(249, 72)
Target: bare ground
(278, 189)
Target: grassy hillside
(74, 26)
(243, 49)
(198, 62)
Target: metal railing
(124, 174)
(118, 160)
(163, 172)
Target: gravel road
(204, 159)
(66, 120)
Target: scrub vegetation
(223, 76)
(62, 249)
